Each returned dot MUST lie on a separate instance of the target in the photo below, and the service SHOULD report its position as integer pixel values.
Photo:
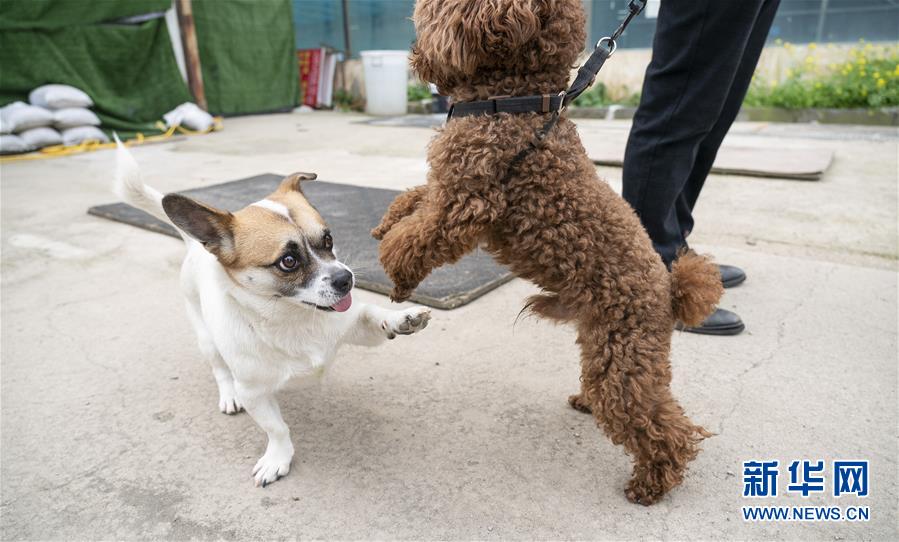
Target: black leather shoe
(731, 276)
(721, 322)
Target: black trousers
(703, 56)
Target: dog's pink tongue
(344, 304)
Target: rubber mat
(797, 164)
(351, 212)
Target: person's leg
(697, 51)
(708, 149)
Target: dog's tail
(695, 288)
(130, 186)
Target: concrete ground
(109, 421)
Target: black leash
(549, 103)
(587, 73)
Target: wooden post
(191, 51)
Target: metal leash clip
(613, 45)
(561, 101)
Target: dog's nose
(342, 281)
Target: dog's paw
(400, 294)
(271, 466)
(640, 494)
(379, 232)
(229, 404)
(577, 402)
(406, 322)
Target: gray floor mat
(351, 212)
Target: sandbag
(38, 138)
(189, 116)
(74, 136)
(18, 116)
(13, 144)
(59, 97)
(72, 117)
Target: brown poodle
(552, 221)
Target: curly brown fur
(552, 222)
(403, 205)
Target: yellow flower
(812, 46)
(896, 71)
(881, 83)
(809, 60)
(876, 75)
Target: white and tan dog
(267, 297)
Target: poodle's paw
(639, 494)
(229, 404)
(650, 484)
(400, 294)
(273, 465)
(406, 322)
(379, 232)
(577, 402)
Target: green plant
(868, 78)
(598, 96)
(346, 101)
(417, 92)
(595, 96)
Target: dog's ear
(466, 35)
(208, 225)
(294, 181)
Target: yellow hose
(94, 145)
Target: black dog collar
(548, 103)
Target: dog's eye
(327, 242)
(288, 263)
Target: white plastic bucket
(386, 79)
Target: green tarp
(248, 55)
(52, 14)
(129, 70)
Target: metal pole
(191, 51)
(822, 15)
(347, 45)
(588, 10)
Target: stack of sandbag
(19, 118)
(57, 115)
(71, 116)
